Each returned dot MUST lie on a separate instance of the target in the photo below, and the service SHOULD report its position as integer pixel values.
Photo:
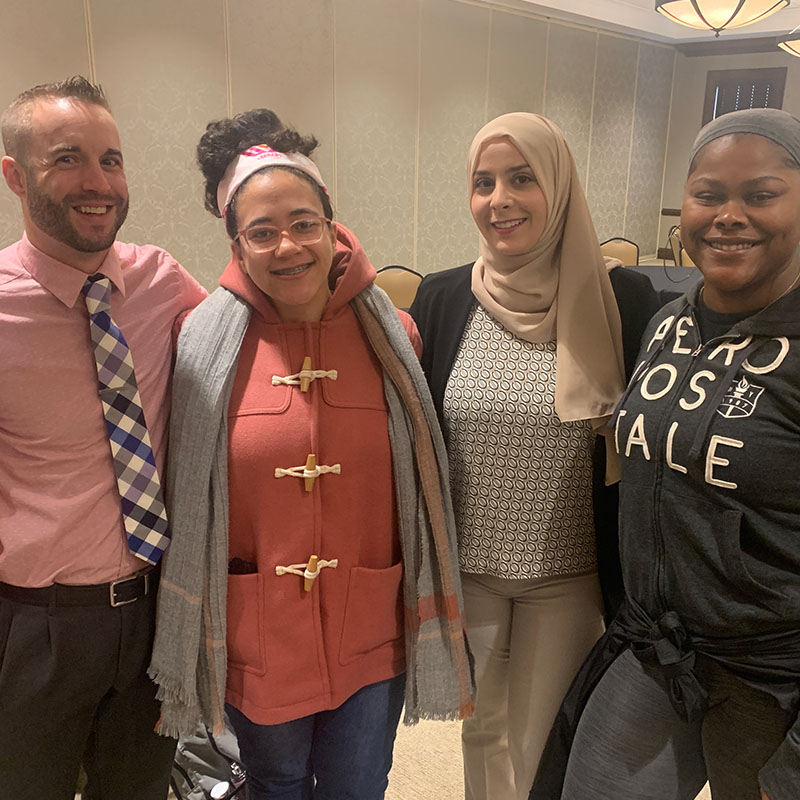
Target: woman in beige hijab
(526, 355)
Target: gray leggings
(631, 744)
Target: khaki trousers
(528, 638)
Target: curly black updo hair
(225, 139)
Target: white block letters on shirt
(694, 385)
(712, 460)
(658, 381)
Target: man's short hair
(15, 122)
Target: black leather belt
(116, 593)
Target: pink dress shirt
(60, 517)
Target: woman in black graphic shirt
(700, 671)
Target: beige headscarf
(560, 289)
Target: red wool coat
(293, 652)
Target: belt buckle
(113, 586)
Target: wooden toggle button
(311, 464)
(305, 381)
(310, 573)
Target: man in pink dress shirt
(76, 607)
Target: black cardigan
(441, 309)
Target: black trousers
(74, 689)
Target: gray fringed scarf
(189, 656)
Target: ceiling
(640, 18)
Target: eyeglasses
(266, 238)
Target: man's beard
(52, 217)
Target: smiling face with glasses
(286, 244)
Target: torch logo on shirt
(740, 400)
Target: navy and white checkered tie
(143, 509)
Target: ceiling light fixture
(791, 43)
(717, 15)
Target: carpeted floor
(427, 762)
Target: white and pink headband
(252, 160)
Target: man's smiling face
(76, 195)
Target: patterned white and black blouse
(521, 479)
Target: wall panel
(44, 41)
(452, 100)
(611, 133)
(393, 89)
(377, 97)
(517, 62)
(570, 86)
(649, 147)
(281, 57)
(165, 79)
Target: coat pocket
(245, 625)
(373, 614)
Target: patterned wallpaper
(569, 89)
(454, 49)
(42, 42)
(609, 143)
(394, 90)
(165, 80)
(377, 121)
(651, 125)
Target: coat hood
(350, 272)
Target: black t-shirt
(717, 323)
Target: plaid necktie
(143, 509)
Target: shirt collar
(61, 280)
